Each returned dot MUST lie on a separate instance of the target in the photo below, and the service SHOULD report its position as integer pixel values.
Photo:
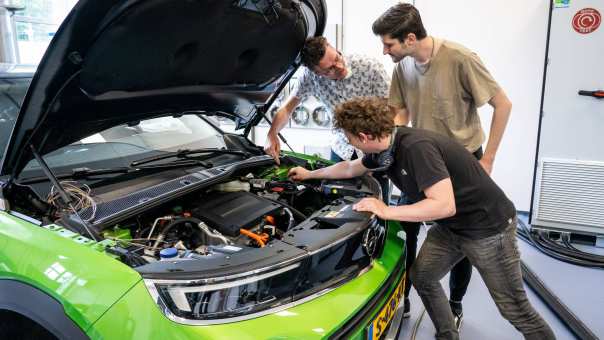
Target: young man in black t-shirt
(472, 215)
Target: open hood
(118, 61)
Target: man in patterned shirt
(332, 78)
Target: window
(35, 23)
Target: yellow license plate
(381, 321)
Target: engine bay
(206, 214)
(230, 217)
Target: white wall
(510, 37)
(358, 16)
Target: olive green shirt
(443, 95)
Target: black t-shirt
(423, 158)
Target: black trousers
(461, 273)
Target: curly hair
(369, 115)
(313, 51)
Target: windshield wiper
(186, 153)
(86, 173)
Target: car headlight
(223, 300)
(267, 290)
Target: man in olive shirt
(473, 217)
(438, 85)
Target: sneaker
(457, 313)
(458, 318)
(406, 308)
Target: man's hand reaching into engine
(298, 174)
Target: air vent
(570, 195)
(106, 210)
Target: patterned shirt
(366, 77)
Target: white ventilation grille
(571, 192)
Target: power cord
(564, 252)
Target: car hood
(114, 62)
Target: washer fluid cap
(168, 253)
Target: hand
(298, 174)
(487, 164)
(372, 205)
(272, 146)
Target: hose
(291, 219)
(566, 252)
(160, 238)
(163, 218)
(260, 239)
(416, 325)
(213, 234)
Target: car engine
(246, 212)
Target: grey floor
(580, 288)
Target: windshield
(120, 145)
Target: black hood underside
(113, 62)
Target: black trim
(362, 316)
(549, 26)
(35, 304)
(556, 305)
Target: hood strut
(64, 196)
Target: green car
(127, 213)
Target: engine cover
(230, 211)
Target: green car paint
(117, 233)
(86, 282)
(136, 316)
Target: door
(569, 182)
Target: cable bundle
(562, 251)
(82, 199)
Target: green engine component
(310, 162)
(117, 233)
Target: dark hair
(369, 115)
(398, 21)
(313, 51)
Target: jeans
(497, 260)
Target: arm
(272, 146)
(397, 100)
(439, 203)
(402, 117)
(501, 114)
(345, 169)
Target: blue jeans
(334, 157)
(498, 262)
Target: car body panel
(86, 282)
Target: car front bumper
(346, 311)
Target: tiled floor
(581, 289)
